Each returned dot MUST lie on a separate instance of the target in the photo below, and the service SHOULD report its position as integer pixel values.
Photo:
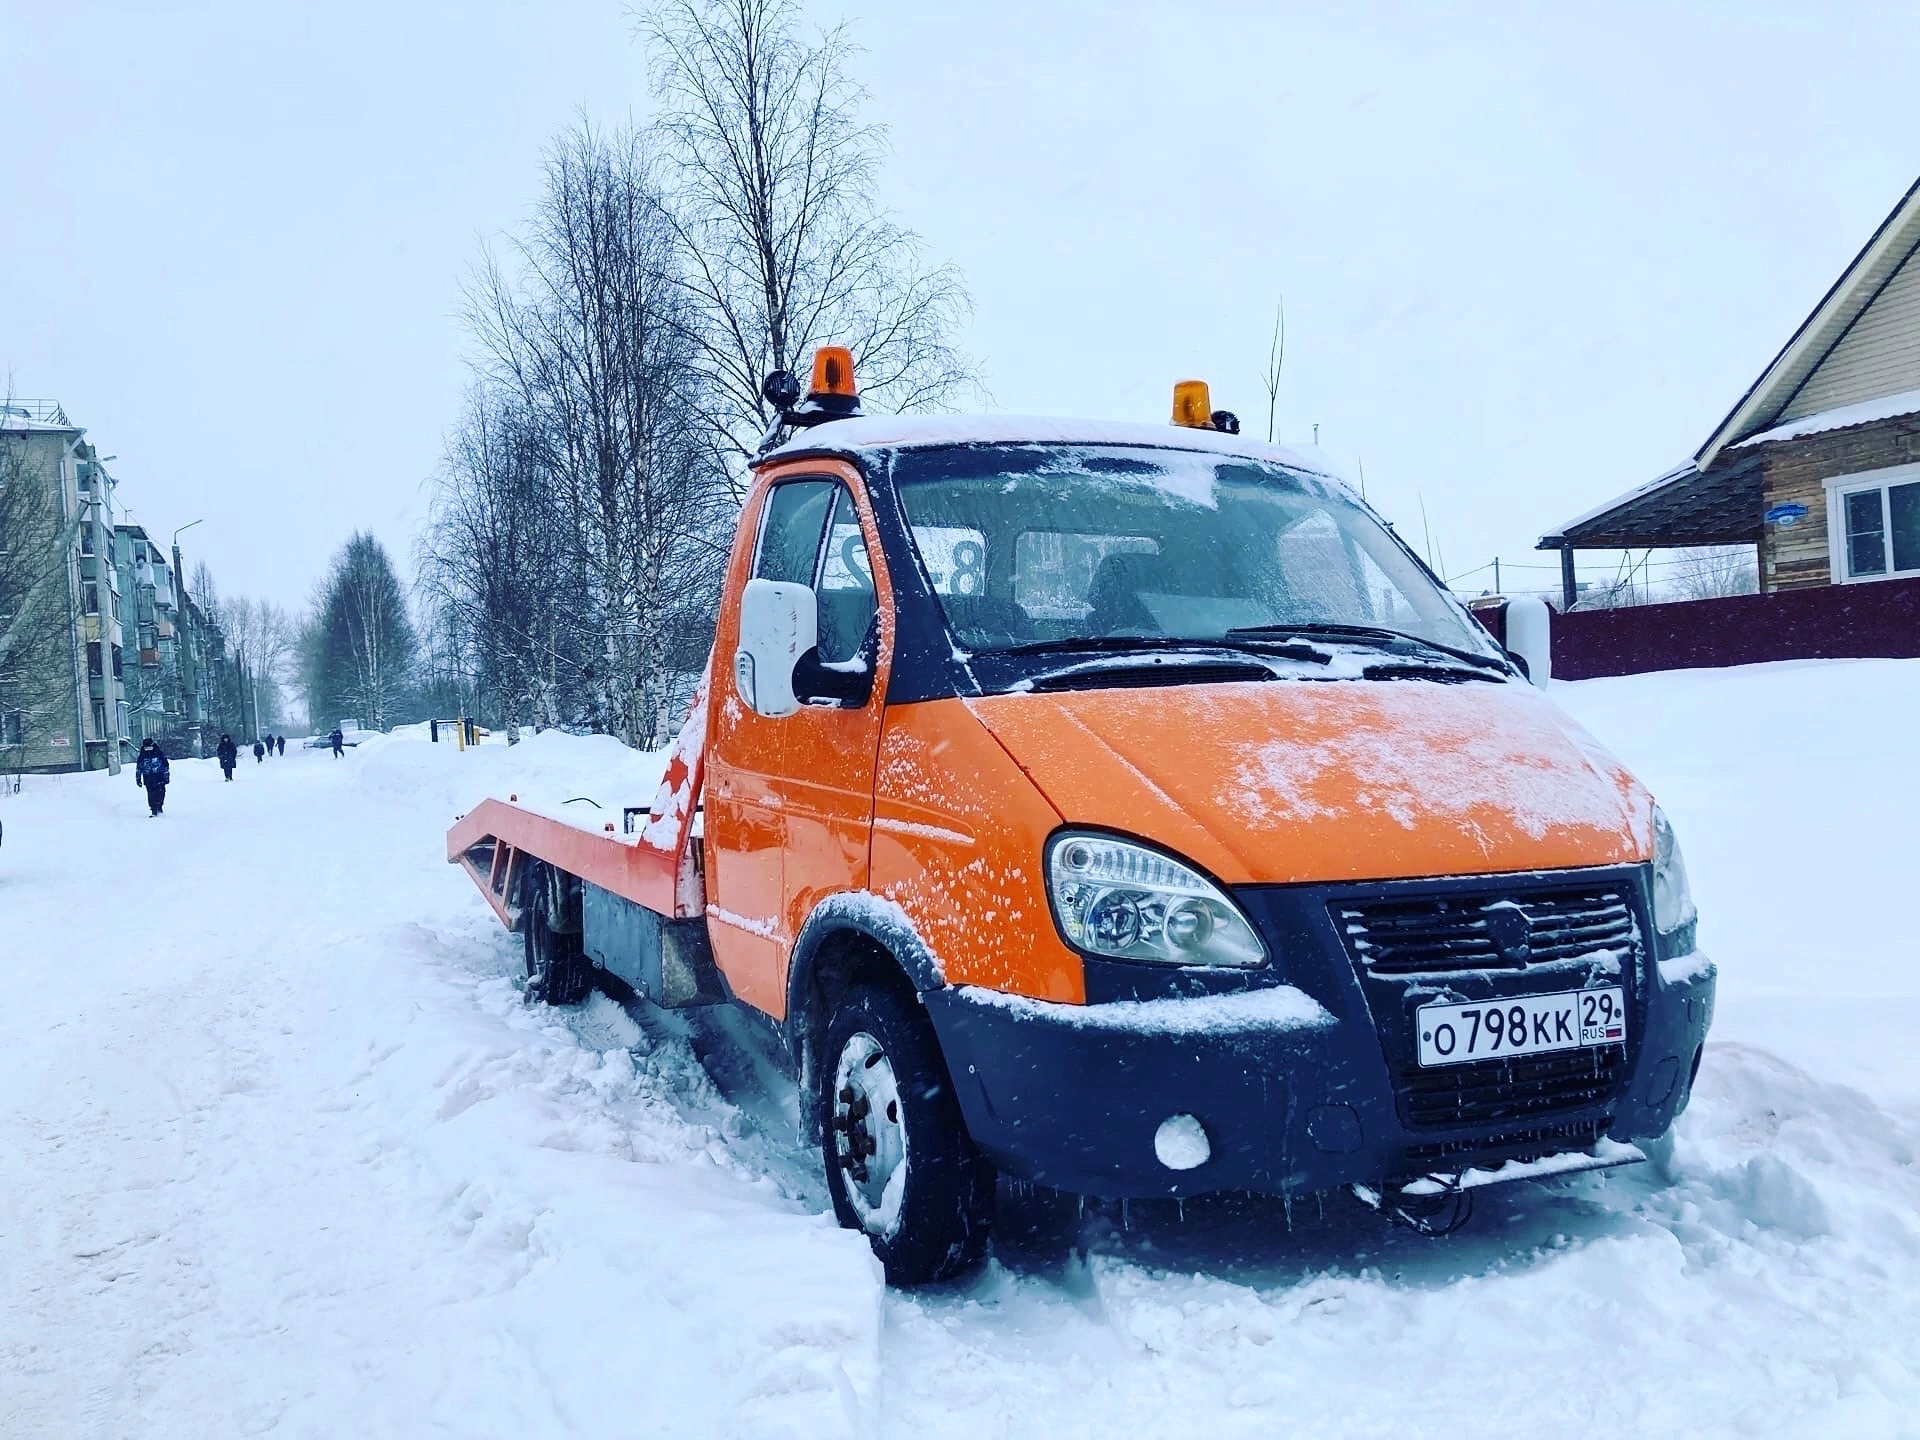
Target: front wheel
(900, 1164)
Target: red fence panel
(1832, 622)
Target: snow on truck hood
(1278, 782)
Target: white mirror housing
(1530, 636)
(779, 622)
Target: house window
(1875, 521)
(13, 728)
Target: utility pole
(240, 691)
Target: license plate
(1521, 1025)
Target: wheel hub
(869, 1134)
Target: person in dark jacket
(152, 771)
(339, 742)
(259, 752)
(228, 753)
(280, 744)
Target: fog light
(1181, 1143)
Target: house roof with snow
(1854, 361)
(36, 416)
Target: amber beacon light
(1192, 405)
(832, 395)
(833, 372)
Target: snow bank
(595, 774)
(1793, 789)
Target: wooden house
(1818, 466)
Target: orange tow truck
(1125, 809)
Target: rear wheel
(900, 1164)
(557, 968)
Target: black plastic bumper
(1294, 1098)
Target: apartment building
(157, 679)
(61, 702)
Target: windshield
(1033, 545)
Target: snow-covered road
(283, 1152)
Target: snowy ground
(283, 1152)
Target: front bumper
(1307, 1096)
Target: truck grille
(1466, 932)
(1492, 1092)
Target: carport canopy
(1681, 507)
(1685, 506)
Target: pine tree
(359, 646)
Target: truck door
(826, 784)
(790, 800)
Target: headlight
(1115, 898)
(1673, 911)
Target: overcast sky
(1529, 258)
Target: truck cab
(1123, 808)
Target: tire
(900, 1165)
(558, 971)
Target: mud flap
(669, 962)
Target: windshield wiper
(1406, 668)
(1181, 668)
(1137, 644)
(1362, 634)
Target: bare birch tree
(774, 203)
(1707, 572)
(35, 628)
(586, 326)
(507, 615)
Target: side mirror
(779, 622)
(1530, 636)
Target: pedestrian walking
(228, 753)
(259, 752)
(280, 744)
(152, 771)
(339, 742)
